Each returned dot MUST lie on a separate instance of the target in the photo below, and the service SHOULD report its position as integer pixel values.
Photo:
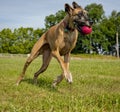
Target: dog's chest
(69, 39)
(68, 43)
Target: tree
(21, 40)
(95, 11)
(51, 20)
(6, 40)
(26, 38)
(103, 37)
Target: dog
(58, 42)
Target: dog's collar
(67, 28)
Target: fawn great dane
(59, 41)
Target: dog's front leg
(58, 80)
(61, 61)
(68, 74)
(65, 66)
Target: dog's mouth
(79, 27)
(84, 28)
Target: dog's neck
(68, 25)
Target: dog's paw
(69, 78)
(34, 80)
(19, 80)
(53, 85)
(17, 84)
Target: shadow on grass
(42, 83)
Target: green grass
(95, 88)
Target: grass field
(95, 88)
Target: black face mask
(82, 20)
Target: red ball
(86, 30)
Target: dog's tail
(38, 45)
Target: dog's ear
(68, 9)
(75, 5)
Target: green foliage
(51, 20)
(95, 87)
(104, 30)
(21, 40)
(103, 37)
(96, 12)
(6, 40)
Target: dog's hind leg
(34, 54)
(27, 63)
(46, 60)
